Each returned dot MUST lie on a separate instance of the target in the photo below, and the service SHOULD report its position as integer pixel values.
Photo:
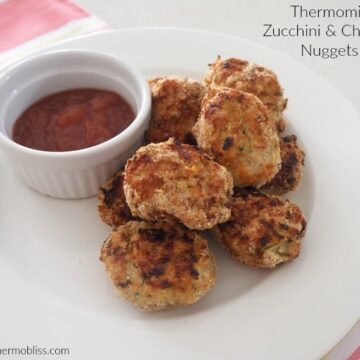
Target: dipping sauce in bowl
(73, 120)
(52, 103)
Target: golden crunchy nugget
(258, 80)
(234, 128)
(263, 230)
(112, 207)
(172, 181)
(176, 103)
(158, 266)
(292, 162)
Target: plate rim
(235, 38)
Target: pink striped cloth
(355, 355)
(348, 348)
(29, 25)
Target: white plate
(55, 291)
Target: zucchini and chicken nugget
(292, 163)
(235, 130)
(159, 266)
(263, 230)
(177, 182)
(112, 207)
(176, 103)
(258, 80)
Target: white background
(245, 18)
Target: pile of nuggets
(216, 158)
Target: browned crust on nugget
(176, 105)
(176, 181)
(258, 80)
(158, 266)
(112, 207)
(263, 230)
(292, 163)
(234, 128)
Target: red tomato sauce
(73, 120)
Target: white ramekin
(70, 174)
